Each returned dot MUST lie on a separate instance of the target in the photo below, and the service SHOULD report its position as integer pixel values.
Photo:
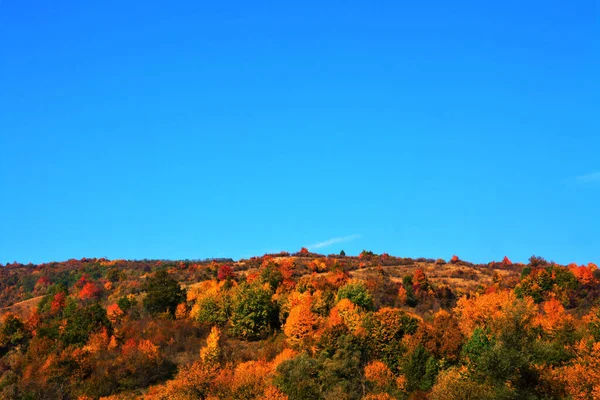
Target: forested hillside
(300, 326)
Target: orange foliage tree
(90, 291)
(488, 309)
(554, 318)
(455, 384)
(582, 376)
(347, 313)
(301, 322)
(583, 273)
(379, 375)
(420, 282)
(443, 337)
(272, 393)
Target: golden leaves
(210, 354)
(301, 322)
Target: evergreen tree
(163, 294)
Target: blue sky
(210, 129)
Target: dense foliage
(300, 326)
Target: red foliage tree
(43, 281)
(58, 302)
(420, 281)
(82, 281)
(225, 273)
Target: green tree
(356, 292)
(163, 294)
(213, 310)
(385, 330)
(407, 283)
(479, 343)
(12, 333)
(114, 275)
(272, 275)
(341, 374)
(507, 361)
(298, 378)
(594, 326)
(420, 370)
(81, 322)
(253, 313)
(125, 303)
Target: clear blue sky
(235, 128)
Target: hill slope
(299, 326)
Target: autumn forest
(300, 326)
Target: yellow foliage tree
(210, 354)
(455, 384)
(348, 313)
(202, 290)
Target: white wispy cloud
(593, 177)
(334, 240)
